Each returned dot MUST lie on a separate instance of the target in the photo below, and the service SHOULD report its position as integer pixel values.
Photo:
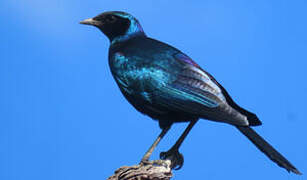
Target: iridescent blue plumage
(173, 83)
(165, 84)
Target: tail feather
(267, 149)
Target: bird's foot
(174, 156)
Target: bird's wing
(193, 91)
(191, 85)
(193, 77)
(220, 91)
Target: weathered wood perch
(152, 170)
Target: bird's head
(117, 26)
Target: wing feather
(194, 92)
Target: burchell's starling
(167, 85)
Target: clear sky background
(62, 116)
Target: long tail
(267, 149)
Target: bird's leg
(173, 153)
(153, 146)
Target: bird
(165, 84)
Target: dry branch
(153, 170)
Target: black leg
(173, 154)
(153, 146)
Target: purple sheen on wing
(185, 58)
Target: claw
(175, 157)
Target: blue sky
(63, 117)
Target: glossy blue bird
(167, 85)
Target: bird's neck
(135, 29)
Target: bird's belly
(142, 104)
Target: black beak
(91, 21)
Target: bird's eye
(111, 19)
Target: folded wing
(194, 92)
